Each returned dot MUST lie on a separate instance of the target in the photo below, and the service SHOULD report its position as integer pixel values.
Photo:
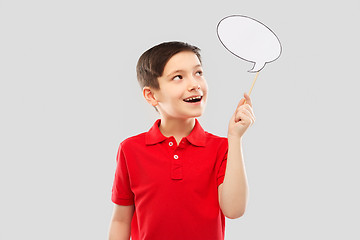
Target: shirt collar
(196, 137)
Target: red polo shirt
(174, 187)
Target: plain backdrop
(69, 96)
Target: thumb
(239, 104)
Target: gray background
(69, 96)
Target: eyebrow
(198, 65)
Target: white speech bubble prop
(249, 40)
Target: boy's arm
(233, 192)
(120, 224)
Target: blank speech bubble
(249, 40)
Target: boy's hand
(242, 118)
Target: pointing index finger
(247, 99)
(241, 102)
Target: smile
(194, 101)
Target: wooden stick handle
(253, 84)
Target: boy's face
(182, 78)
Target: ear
(149, 96)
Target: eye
(199, 73)
(177, 77)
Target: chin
(198, 114)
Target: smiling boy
(177, 181)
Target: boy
(170, 182)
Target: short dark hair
(151, 63)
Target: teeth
(189, 99)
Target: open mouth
(193, 100)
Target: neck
(175, 127)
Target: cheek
(178, 96)
(204, 87)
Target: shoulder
(213, 139)
(133, 141)
(217, 145)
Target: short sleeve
(223, 153)
(121, 191)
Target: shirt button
(176, 156)
(170, 144)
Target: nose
(194, 84)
